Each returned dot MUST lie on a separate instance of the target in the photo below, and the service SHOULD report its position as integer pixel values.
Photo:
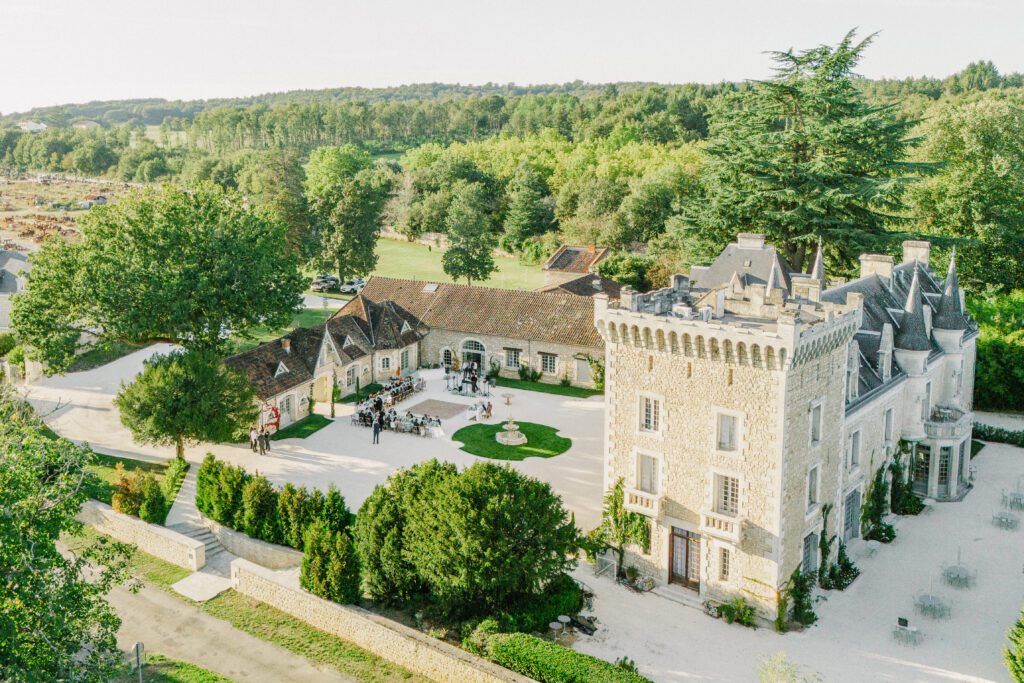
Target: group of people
(259, 440)
(470, 380)
(397, 389)
(375, 415)
(481, 411)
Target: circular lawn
(541, 441)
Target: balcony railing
(947, 424)
(644, 503)
(721, 526)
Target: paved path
(178, 630)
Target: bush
(16, 357)
(6, 343)
(153, 506)
(476, 638)
(177, 468)
(330, 568)
(843, 572)
(551, 663)
(528, 374)
(798, 592)
(259, 510)
(739, 611)
(902, 500)
(989, 433)
(127, 496)
(561, 596)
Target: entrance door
(685, 560)
(922, 469)
(851, 522)
(583, 374)
(473, 352)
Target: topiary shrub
(177, 468)
(989, 433)
(548, 662)
(330, 568)
(153, 505)
(739, 611)
(259, 510)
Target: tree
(330, 567)
(181, 266)
(470, 243)
(1014, 652)
(804, 156)
(619, 527)
(627, 269)
(186, 397)
(488, 538)
(328, 171)
(348, 239)
(275, 180)
(529, 213)
(55, 624)
(978, 197)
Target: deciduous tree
(470, 252)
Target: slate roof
(366, 328)
(754, 265)
(571, 258)
(11, 264)
(913, 335)
(950, 313)
(584, 286)
(552, 316)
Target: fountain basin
(510, 436)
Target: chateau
(742, 400)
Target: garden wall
(156, 540)
(262, 553)
(388, 639)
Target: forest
(663, 174)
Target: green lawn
(308, 317)
(103, 354)
(363, 392)
(542, 441)
(103, 466)
(160, 669)
(420, 262)
(574, 392)
(303, 428)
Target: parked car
(325, 283)
(352, 286)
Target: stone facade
(156, 540)
(415, 651)
(740, 405)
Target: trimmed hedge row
(549, 662)
(990, 433)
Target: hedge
(549, 662)
(990, 433)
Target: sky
(61, 51)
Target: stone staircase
(678, 594)
(218, 560)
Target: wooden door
(684, 560)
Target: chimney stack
(876, 263)
(596, 284)
(286, 344)
(917, 250)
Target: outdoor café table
(1006, 520)
(957, 575)
(932, 605)
(1015, 499)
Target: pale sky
(60, 51)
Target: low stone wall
(388, 639)
(156, 540)
(262, 553)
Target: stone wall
(385, 638)
(262, 553)
(156, 540)
(566, 363)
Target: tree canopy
(185, 266)
(470, 242)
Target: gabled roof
(554, 316)
(584, 286)
(760, 264)
(261, 364)
(574, 258)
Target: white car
(352, 286)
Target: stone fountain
(510, 434)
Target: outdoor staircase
(680, 595)
(215, 552)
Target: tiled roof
(556, 316)
(584, 286)
(260, 364)
(571, 258)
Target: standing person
(266, 440)
(253, 436)
(262, 449)
(376, 430)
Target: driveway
(80, 407)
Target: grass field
(103, 354)
(160, 669)
(303, 428)
(574, 392)
(309, 317)
(103, 466)
(420, 262)
(542, 441)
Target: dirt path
(173, 628)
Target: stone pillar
(934, 453)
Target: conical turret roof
(818, 269)
(912, 335)
(950, 314)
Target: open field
(420, 262)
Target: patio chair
(905, 633)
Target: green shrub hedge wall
(989, 433)
(549, 662)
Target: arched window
(473, 352)
(446, 358)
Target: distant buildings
(93, 200)
(32, 126)
(12, 280)
(572, 262)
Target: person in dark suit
(376, 428)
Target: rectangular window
(647, 473)
(650, 414)
(512, 359)
(810, 562)
(547, 362)
(727, 495)
(926, 403)
(350, 376)
(855, 449)
(727, 437)
(724, 562)
(405, 358)
(888, 425)
(385, 363)
(816, 425)
(812, 487)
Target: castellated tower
(724, 414)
